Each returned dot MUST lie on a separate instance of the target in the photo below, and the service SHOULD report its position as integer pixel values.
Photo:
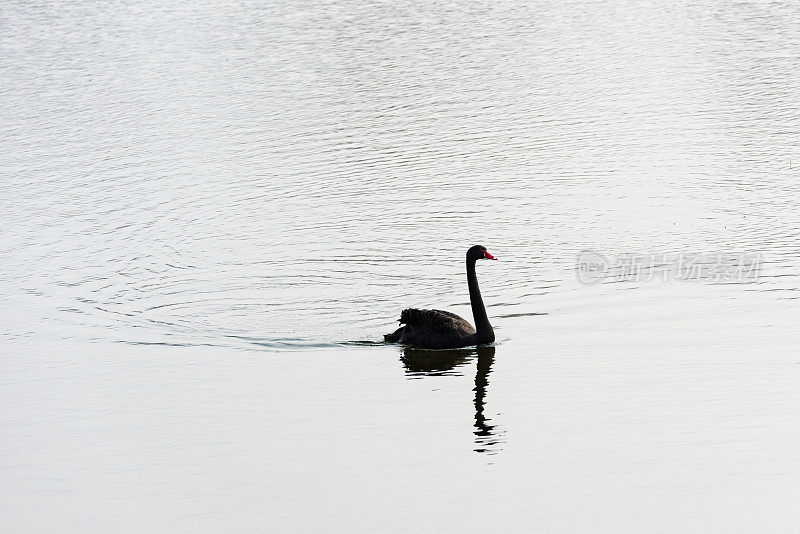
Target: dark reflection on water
(424, 362)
(486, 439)
(421, 362)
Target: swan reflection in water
(421, 362)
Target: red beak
(488, 256)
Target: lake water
(212, 211)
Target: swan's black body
(437, 329)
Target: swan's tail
(395, 336)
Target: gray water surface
(212, 211)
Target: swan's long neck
(482, 324)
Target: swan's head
(479, 252)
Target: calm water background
(210, 210)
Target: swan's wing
(438, 321)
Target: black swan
(437, 329)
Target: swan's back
(436, 329)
